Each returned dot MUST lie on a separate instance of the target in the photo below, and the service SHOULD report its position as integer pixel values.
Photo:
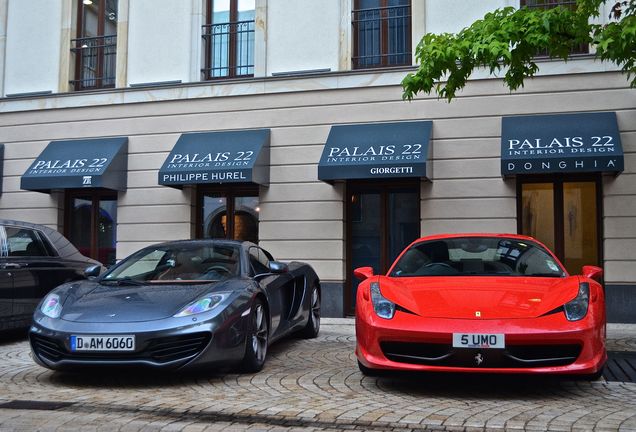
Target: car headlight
(201, 305)
(51, 306)
(576, 309)
(383, 307)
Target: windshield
(486, 256)
(183, 262)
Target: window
(91, 224)
(381, 33)
(229, 214)
(23, 242)
(548, 4)
(229, 39)
(476, 256)
(95, 47)
(259, 259)
(564, 215)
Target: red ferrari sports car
(496, 303)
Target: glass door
(381, 222)
(565, 216)
(91, 224)
(228, 213)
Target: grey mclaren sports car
(182, 304)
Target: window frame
(582, 50)
(99, 73)
(229, 193)
(259, 252)
(232, 44)
(384, 46)
(46, 247)
(96, 195)
(384, 188)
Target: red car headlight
(383, 308)
(576, 309)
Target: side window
(259, 261)
(22, 242)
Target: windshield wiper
(123, 281)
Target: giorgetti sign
(564, 143)
(95, 163)
(218, 157)
(376, 150)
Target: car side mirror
(592, 272)
(363, 273)
(278, 267)
(92, 271)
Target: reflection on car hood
(92, 302)
(493, 297)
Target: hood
(493, 297)
(92, 302)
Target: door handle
(11, 266)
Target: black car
(175, 305)
(34, 259)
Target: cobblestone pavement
(307, 385)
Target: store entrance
(564, 215)
(91, 223)
(381, 221)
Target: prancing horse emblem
(478, 314)
(479, 359)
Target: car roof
(463, 235)
(62, 245)
(219, 241)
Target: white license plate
(479, 340)
(102, 343)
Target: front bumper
(172, 343)
(547, 345)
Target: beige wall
(301, 217)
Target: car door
(35, 267)
(274, 285)
(6, 285)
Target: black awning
(562, 143)
(218, 157)
(85, 163)
(376, 150)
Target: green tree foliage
(509, 39)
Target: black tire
(368, 371)
(313, 323)
(596, 375)
(257, 339)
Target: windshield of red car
(481, 256)
(178, 263)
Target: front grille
(178, 347)
(47, 348)
(159, 350)
(519, 356)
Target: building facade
(126, 123)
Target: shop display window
(564, 214)
(228, 213)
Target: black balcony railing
(94, 62)
(229, 49)
(381, 37)
(549, 4)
